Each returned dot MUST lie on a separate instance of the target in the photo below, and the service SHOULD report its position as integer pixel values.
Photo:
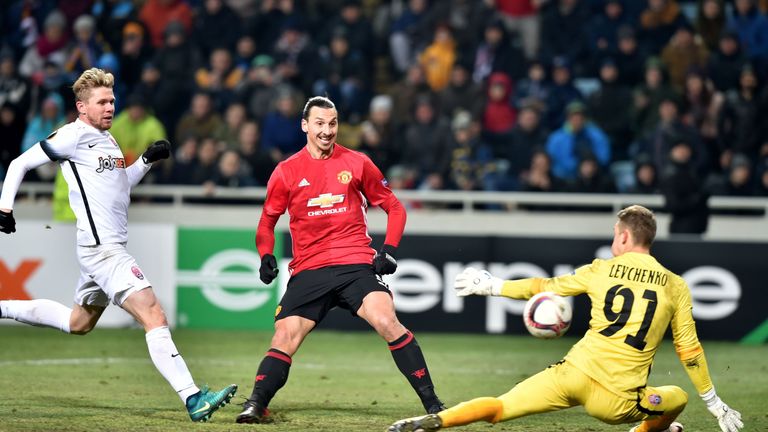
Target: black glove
(7, 222)
(157, 151)
(384, 262)
(268, 270)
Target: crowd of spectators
(656, 96)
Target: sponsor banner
(218, 280)
(725, 286)
(39, 261)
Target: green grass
(339, 381)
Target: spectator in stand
(50, 46)
(725, 64)
(522, 17)
(258, 90)
(219, 78)
(266, 25)
(604, 30)
(295, 56)
(608, 108)
(466, 18)
(752, 27)
(207, 158)
(135, 52)
(701, 109)
(232, 172)
(136, 129)
(574, 140)
(591, 178)
(342, 75)
(180, 168)
(21, 21)
(438, 58)
(228, 134)
(761, 188)
(461, 93)
(472, 166)
(563, 34)
(538, 177)
(534, 89)
(426, 141)
(629, 58)
(741, 120)
(158, 14)
(682, 53)
(201, 120)
(562, 92)
(245, 52)
(710, 22)
(260, 162)
(407, 36)
(738, 179)
(404, 94)
(45, 122)
(176, 61)
(497, 52)
(12, 126)
(669, 131)
(358, 31)
(85, 49)
(527, 136)
(658, 22)
(149, 87)
(15, 90)
(215, 26)
(281, 132)
(648, 96)
(646, 180)
(499, 116)
(111, 18)
(684, 195)
(378, 139)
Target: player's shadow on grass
(98, 406)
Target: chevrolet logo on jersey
(325, 200)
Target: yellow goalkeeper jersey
(634, 300)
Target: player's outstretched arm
(30, 159)
(728, 418)
(159, 150)
(472, 281)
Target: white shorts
(107, 272)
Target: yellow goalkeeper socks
(484, 408)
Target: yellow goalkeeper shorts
(563, 386)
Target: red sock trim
(279, 355)
(408, 339)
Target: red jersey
(327, 200)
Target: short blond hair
(91, 79)
(641, 222)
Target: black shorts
(312, 293)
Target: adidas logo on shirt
(303, 182)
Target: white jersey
(99, 191)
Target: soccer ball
(547, 315)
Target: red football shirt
(327, 200)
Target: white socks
(169, 363)
(46, 313)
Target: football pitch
(338, 382)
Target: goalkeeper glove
(384, 262)
(7, 222)
(157, 151)
(478, 282)
(729, 419)
(268, 270)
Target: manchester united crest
(344, 177)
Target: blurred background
(513, 130)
